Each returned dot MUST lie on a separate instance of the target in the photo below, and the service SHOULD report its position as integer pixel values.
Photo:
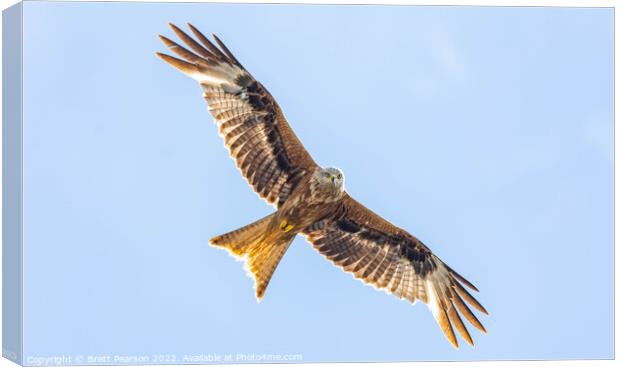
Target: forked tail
(261, 245)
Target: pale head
(328, 181)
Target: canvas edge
(12, 311)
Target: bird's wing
(389, 258)
(258, 137)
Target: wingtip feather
(465, 311)
(167, 41)
(458, 323)
(469, 298)
(461, 278)
(173, 26)
(229, 54)
(441, 316)
(185, 67)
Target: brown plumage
(309, 199)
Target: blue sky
(486, 132)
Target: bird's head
(330, 180)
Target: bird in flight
(310, 200)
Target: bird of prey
(310, 200)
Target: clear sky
(486, 132)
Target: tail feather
(239, 241)
(261, 245)
(263, 260)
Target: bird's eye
(326, 174)
(339, 176)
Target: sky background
(486, 132)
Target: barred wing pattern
(258, 137)
(389, 258)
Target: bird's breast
(304, 210)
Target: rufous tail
(261, 245)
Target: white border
(540, 3)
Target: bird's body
(315, 199)
(310, 200)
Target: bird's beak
(332, 178)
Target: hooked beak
(332, 178)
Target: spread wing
(389, 258)
(258, 137)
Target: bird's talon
(285, 226)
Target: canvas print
(436, 183)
